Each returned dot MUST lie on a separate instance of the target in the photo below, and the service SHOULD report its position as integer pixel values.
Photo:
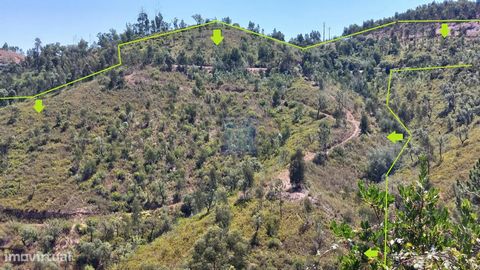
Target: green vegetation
(245, 155)
(297, 170)
(423, 233)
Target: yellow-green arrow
(38, 106)
(371, 253)
(395, 137)
(217, 36)
(444, 30)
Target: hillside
(248, 155)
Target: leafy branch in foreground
(421, 233)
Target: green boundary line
(303, 48)
(387, 102)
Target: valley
(181, 153)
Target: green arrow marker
(444, 30)
(371, 253)
(38, 106)
(217, 36)
(395, 137)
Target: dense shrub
(380, 161)
(88, 170)
(320, 158)
(223, 216)
(96, 254)
(219, 249)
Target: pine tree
(275, 98)
(211, 189)
(471, 188)
(297, 170)
(324, 136)
(321, 104)
(421, 231)
(248, 178)
(364, 125)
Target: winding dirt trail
(356, 130)
(284, 175)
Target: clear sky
(67, 21)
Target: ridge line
(158, 35)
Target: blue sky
(66, 21)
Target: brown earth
(284, 175)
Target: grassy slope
(327, 183)
(333, 186)
(457, 158)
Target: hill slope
(187, 156)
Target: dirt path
(355, 133)
(284, 175)
(210, 68)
